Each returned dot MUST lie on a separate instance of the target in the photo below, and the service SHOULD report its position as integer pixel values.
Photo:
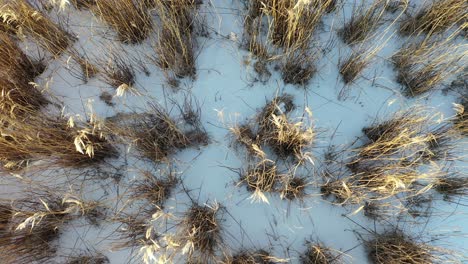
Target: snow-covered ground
(228, 95)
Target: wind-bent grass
(55, 141)
(31, 22)
(33, 226)
(130, 20)
(435, 18)
(291, 28)
(424, 66)
(363, 23)
(176, 45)
(396, 247)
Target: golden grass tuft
(424, 66)
(435, 18)
(201, 233)
(291, 27)
(156, 135)
(395, 247)
(364, 21)
(131, 21)
(175, 48)
(252, 257)
(55, 141)
(35, 24)
(319, 254)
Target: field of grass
(233, 132)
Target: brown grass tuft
(176, 38)
(35, 24)
(154, 190)
(395, 247)
(156, 135)
(54, 141)
(436, 17)
(363, 22)
(318, 254)
(201, 232)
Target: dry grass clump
(272, 132)
(451, 186)
(35, 24)
(291, 25)
(352, 66)
(253, 257)
(83, 4)
(176, 44)
(156, 135)
(297, 70)
(285, 138)
(294, 187)
(130, 20)
(342, 191)
(154, 190)
(389, 163)
(15, 64)
(395, 247)
(133, 232)
(424, 66)
(119, 74)
(56, 141)
(17, 78)
(461, 118)
(32, 225)
(201, 232)
(261, 177)
(437, 17)
(363, 22)
(88, 69)
(19, 98)
(319, 254)
(85, 259)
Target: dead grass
(461, 118)
(261, 177)
(55, 141)
(201, 232)
(135, 232)
(452, 186)
(319, 254)
(424, 66)
(252, 257)
(119, 73)
(352, 66)
(34, 226)
(363, 22)
(176, 44)
(154, 190)
(130, 20)
(17, 78)
(85, 259)
(294, 187)
(284, 137)
(395, 247)
(35, 24)
(435, 18)
(289, 25)
(156, 135)
(83, 4)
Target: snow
(227, 96)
